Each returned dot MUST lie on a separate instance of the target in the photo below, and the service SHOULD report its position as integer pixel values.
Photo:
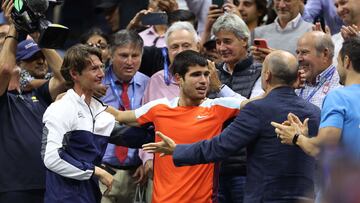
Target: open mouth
(201, 90)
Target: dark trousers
(231, 189)
(25, 196)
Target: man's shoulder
(264, 29)
(141, 78)
(157, 75)
(226, 102)
(63, 106)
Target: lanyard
(117, 94)
(166, 67)
(321, 83)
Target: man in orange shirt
(183, 117)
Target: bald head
(322, 42)
(283, 68)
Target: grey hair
(125, 37)
(324, 42)
(181, 25)
(232, 23)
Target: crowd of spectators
(274, 117)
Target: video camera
(29, 17)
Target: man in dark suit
(275, 173)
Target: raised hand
(165, 147)
(301, 127)
(215, 83)
(317, 27)
(349, 31)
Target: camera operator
(22, 173)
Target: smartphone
(156, 18)
(219, 3)
(261, 43)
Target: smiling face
(309, 59)
(287, 9)
(195, 84)
(91, 76)
(36, 65)
(248, 11)
(348, 10)
(181, 40)
(231, 48)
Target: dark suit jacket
(275, 172)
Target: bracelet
(295, 138)
(12, 37)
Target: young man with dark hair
(76, 131)
(182, 117)
(273, 170)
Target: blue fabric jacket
(275, 172)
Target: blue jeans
(231, 189)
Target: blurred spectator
(210, 52)
(287, 27)
(322, 9)
(22, 173)
(95, 37)
(118, 13)
(34, 68)
(200, 8)
(252, 12)
(349, 12)
(111, 11)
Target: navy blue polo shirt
(20, 139)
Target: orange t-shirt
(185, 125)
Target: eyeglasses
(101, 46)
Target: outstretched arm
(126, 117)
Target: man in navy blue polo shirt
(22, 173)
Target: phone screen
(220, 3)
(155, 19)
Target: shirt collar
(95, 105)
(290, 25)
(323, 74)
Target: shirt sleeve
(56, 158)
(312, 10)
(333, 111)
(238, 134)
(145, 114)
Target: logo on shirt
(201, 117)
(80, 115)
(34, 99)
